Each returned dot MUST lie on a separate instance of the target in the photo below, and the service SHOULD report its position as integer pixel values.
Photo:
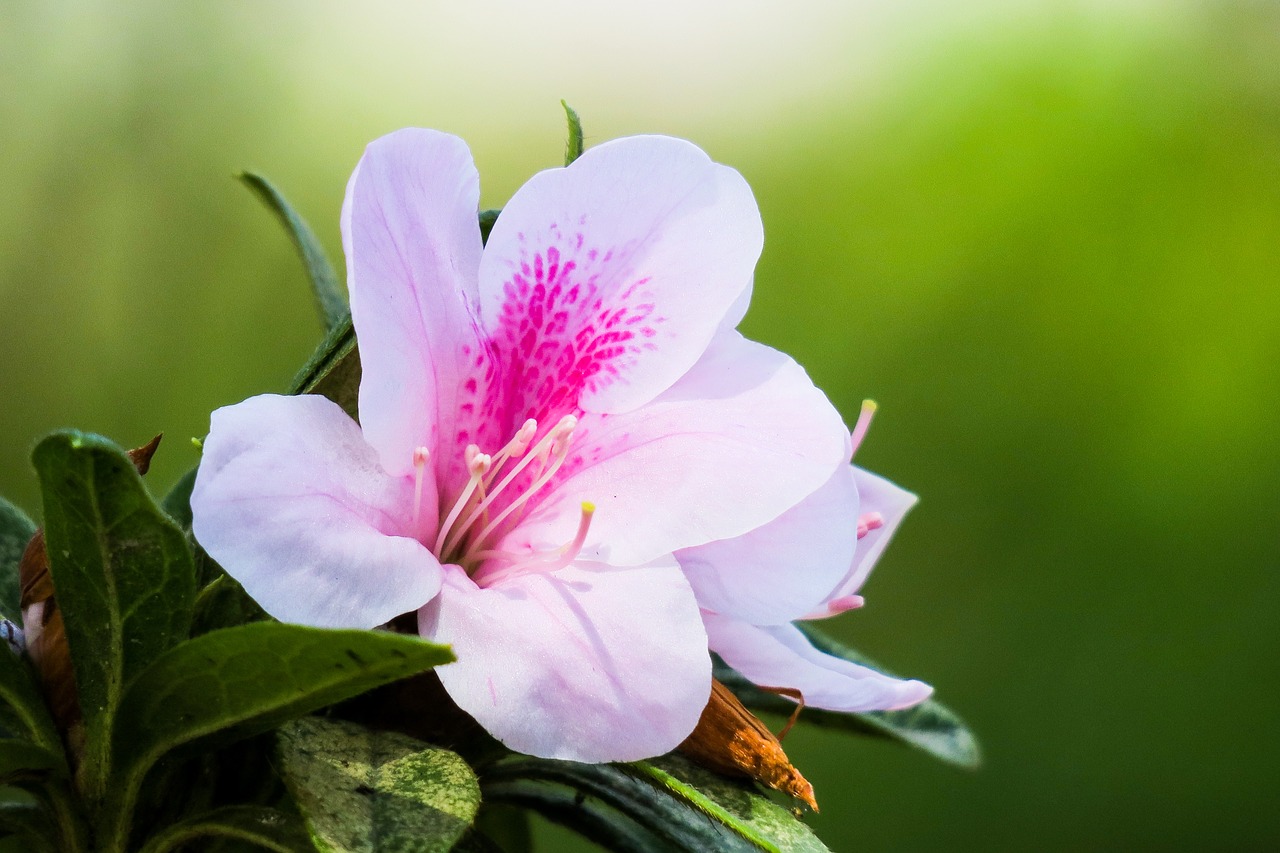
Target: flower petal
(890, 503)
(780, 656)
(412, 243)
(589, 663)
(604, 282)
(741, 438)
(291, 501)
(785, 569)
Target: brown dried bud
(732, 741)
(46, 636)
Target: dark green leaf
(122, 572)
(590, 816)
(25, 843)
(333, 370)
(362, 791)
(25, 815)
(265, 828)
(507, 826)
(23, 758)
(929, 726)
(671, 800)
(240, 681)
(22, 710)
(573, 148)
(324, 282)
(16, 531)
(487, 220)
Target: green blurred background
(1044, 236)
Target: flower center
(495, 498)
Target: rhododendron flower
(568, 463)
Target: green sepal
(223, 603)
(363, 791)
(178, 502)
(929, 726)
(122, 572)
(16, 531)
(324, 281)
(333, 371)
(573, 147)
(264, 828)
(664, 803)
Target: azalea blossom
(568, 463)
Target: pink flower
(567, 459)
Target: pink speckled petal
(589, 663)
(412, 242)
(604, 282)
(292, 502)
(785, 569)
(741, 438)
(780, 656)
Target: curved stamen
(478, 464)
(564, 428)
(868, 522)
(549, 561)
(863, 424)
(420, 457)
(560, 450)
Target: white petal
(292, 502)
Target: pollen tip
(197, 444)
(421, 455)
(588, 508)
(869, 406)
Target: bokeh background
(1044, 236)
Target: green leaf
(238, 682)
(574, 147)
(739, 806)
(21, 758)
(122, 572)
(324, 282)
(929, 726)
(16, 531)
(487, 220)
(22, 710)
(670, 799)
(265, 828)
(362, 791)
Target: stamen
(868, 522)
(545, 562)
(564, 428)
(863, 424)
(557, 443)
(420, 457)
(478, 464)
(515, 448)
(836, 606)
